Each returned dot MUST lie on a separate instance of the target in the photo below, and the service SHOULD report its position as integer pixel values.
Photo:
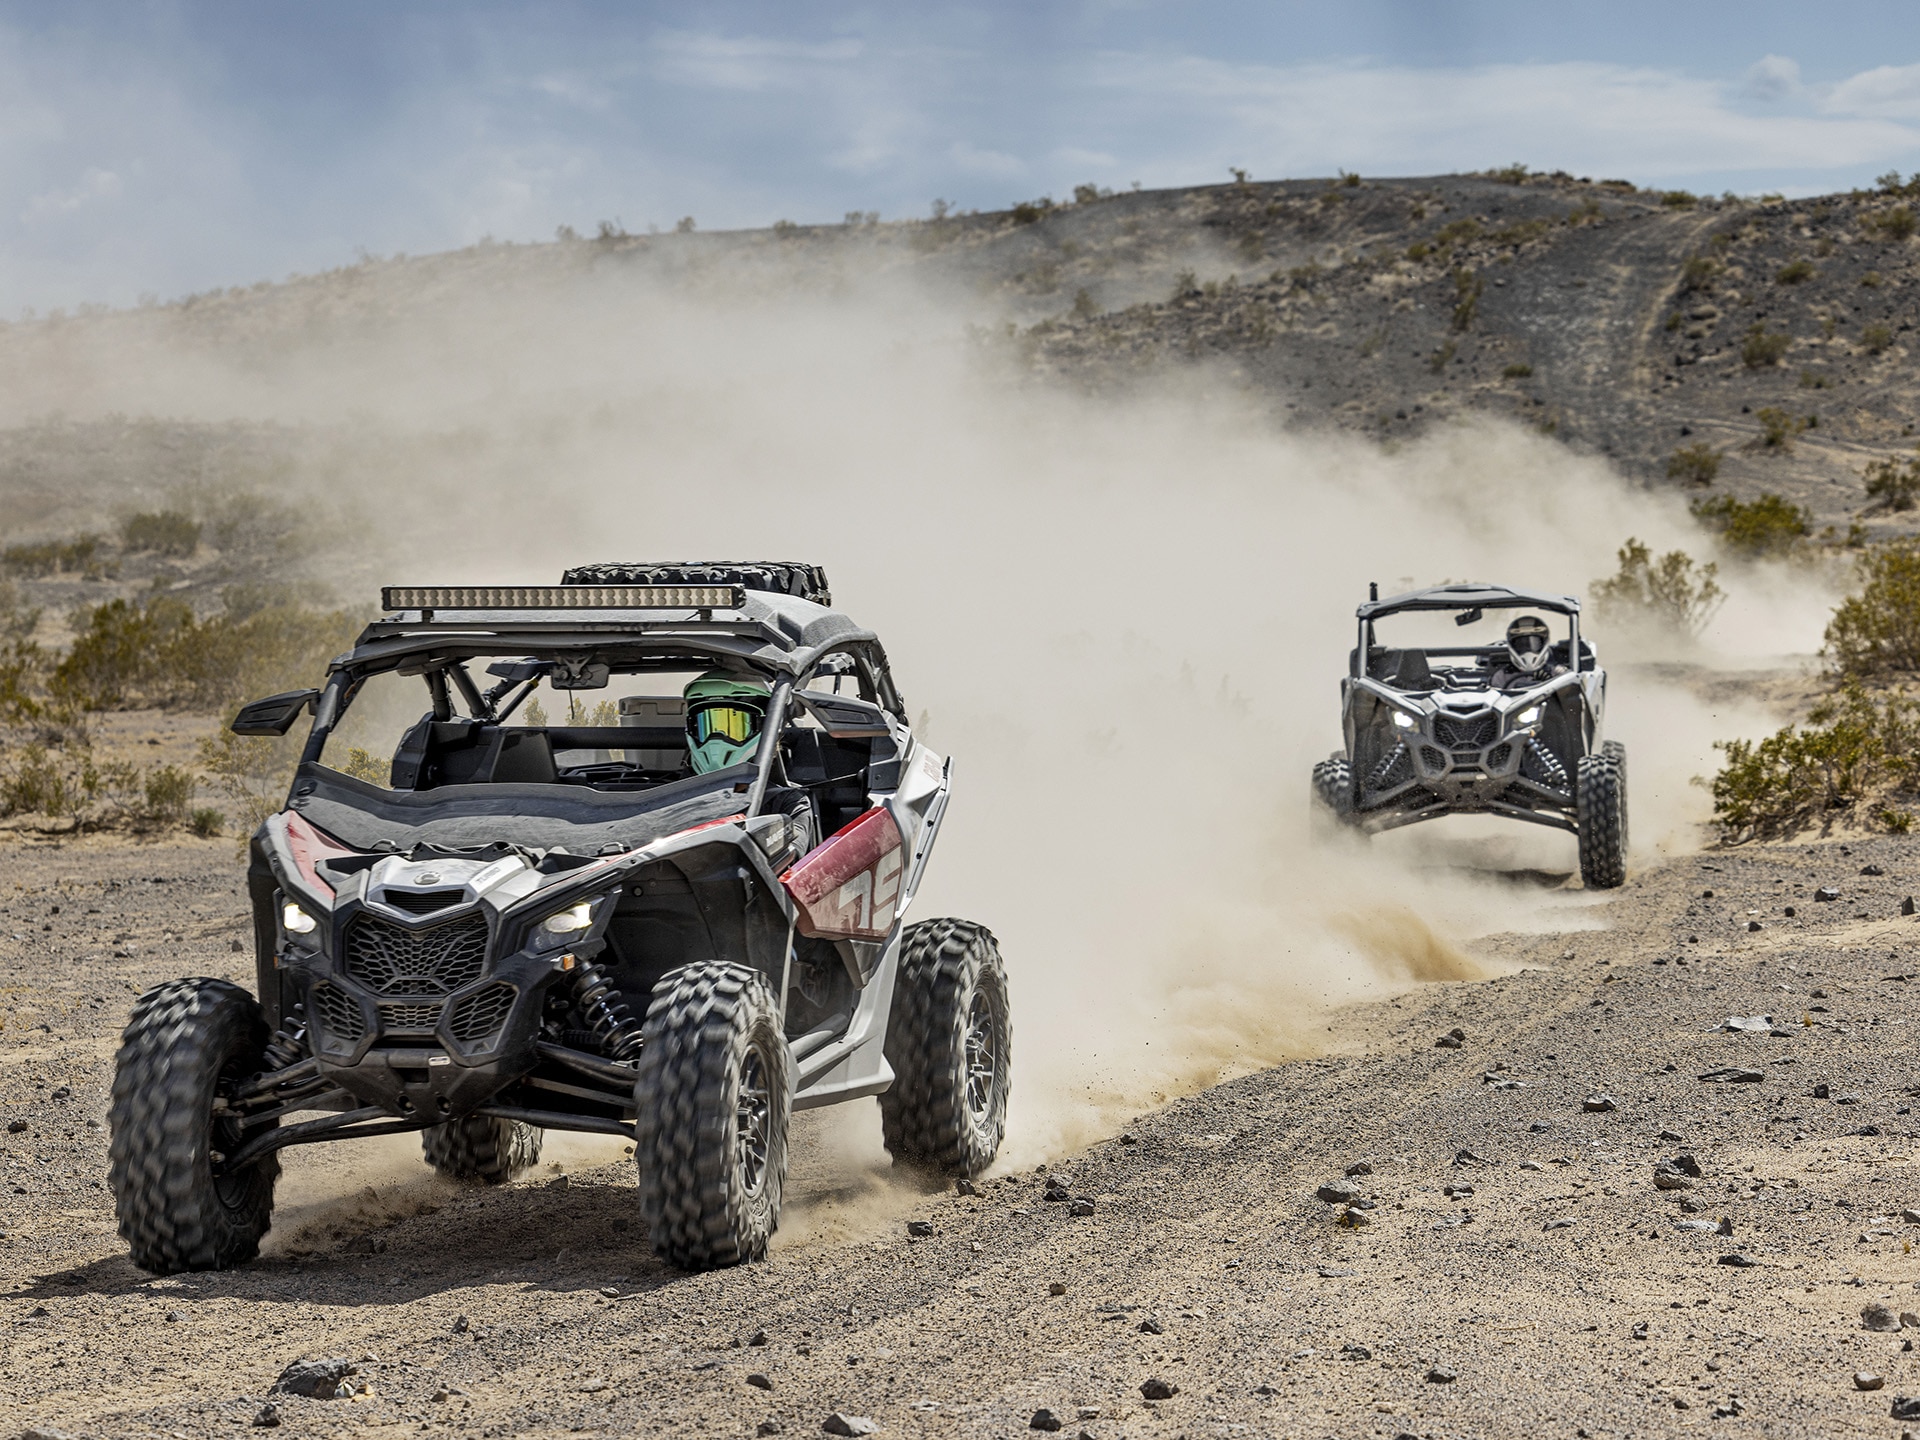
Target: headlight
(1402, 720)
(296, 921)
(1528, 716)
(569, 921)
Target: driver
(724, 716)
(1525, 662)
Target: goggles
(729, 719)
(1528, 642)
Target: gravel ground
(1518, 1271)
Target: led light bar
(562, 597)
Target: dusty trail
(1205, 1219)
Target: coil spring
(284, 1049)
(603, 1007)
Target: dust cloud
(1125, 617)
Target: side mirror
(842, 716)
(274, 715)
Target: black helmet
(1527, 640)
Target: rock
(1352, 1351)
(759, 1381)
(1467, 1157)
(1739, 1259)
(1359, 1167)
(560, 1182)
(1687, 1165)
(1151, 1326)
(1749, 1023)
(1335, 1193)
(1733, 1075)
(174, 1317)
(1671, 1137)
(1667, 1177)
(47, 1432)
(1082, 1206)
(1871, 870)
(1878, 1317)
(316, 1379)
(1788, 912)
(1599, 1104)
(1826, 895)
(1044, 1419)
(758, 1337)
(1752, 925)
(1334, 1272)
(1531, 1165)
(16, 1127)
(1822, 1091)
(1452, 1040)
(1725, 1227)
(1442, 1375)
(1704, 1227)
(921, 1229)
(1155, 1388)
(1057, 1191)
(1457, 1192)
(1639, 1330)
(1867, 1380)
(1539, 1127)
(1910, 1217)
(841, 1424)
(1057, 1287)
(1847, 1099)
(964, 1186)
(1353, 1218)
(1906, 906)
(1561, 1224)
(1906, 1407)
(461, 1324)
(267, 1416)
(767, 1427)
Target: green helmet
(724, 716)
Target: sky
(153, 148)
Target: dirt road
(1516, 1241)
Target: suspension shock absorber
(604, 1008)
(285, 1048)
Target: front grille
(1498, 756)
(436, 961)
(1432, 758)
(478, 1015)
(408, 1017)
(1465, 734)
(336, 1012)
(423, 902)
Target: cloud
(749, 63)
(1773, 78)
(1889, 91)
(95, 185)
(972, 160)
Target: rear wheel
(714, 1094)
(1600, 797)
(187, 1047)
(950, 1043)
(482, 1147)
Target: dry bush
(1672, 593)
(69, 783)
(1762, 347)
(1769, 526)
(254, 772)
(1876, 632)
(1854, 747)
(1778, 427)
(1893, 483)
(1696, 464)
(1876, 339)
(165, 532)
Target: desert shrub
(1417, 251)
(1872, 280)
(1893, 482)
(1514, 174)
(1185, 283)
(1852, 746)
(1762, 347)
(53, 557)
(206, 822)
(1793, 272)
(1442, 357)
(1891, 225)
(165, 532)
(1812, 380)
(1876, 632)
(1698, 273)
(1026, 212)
(1696, 464)
(166, 792)
(1087, 194)
(686, 225)
(67, 782)
(1456, 232)
(1672, 591)
(1519, 370)
(1084, 306)
(1521, 231)
(1767, 526)
(1679, 200)
(1467, 287)
(1778, 427)
(365, 765)
(160, 653)
(253, 771)
(1876, 339)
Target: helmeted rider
(725, 715)
(1529, 644)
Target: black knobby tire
(1330, 810)
(1600, 798)
(714, 1094)
(187, 1043)
(950, 1043)
(482, 1147)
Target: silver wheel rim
(982, 1057)
(752, 1123)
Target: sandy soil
(1558, 1287)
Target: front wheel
(950, 1043)
(1330, 809)
(187, 1047)
(714, 1093)
(1600, 803)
